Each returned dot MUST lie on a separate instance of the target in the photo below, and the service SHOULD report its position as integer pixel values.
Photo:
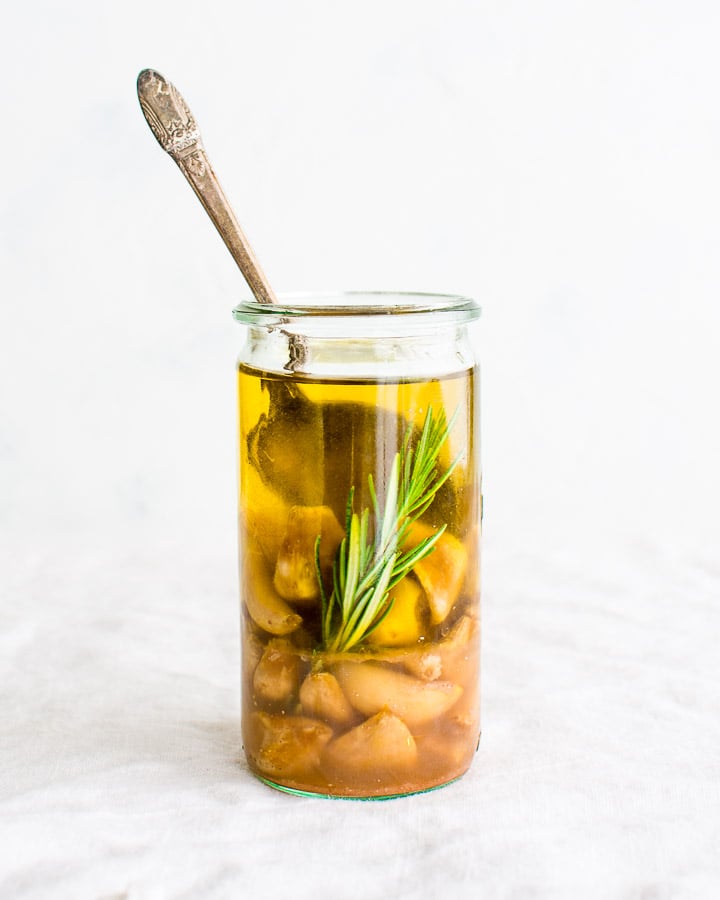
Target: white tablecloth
(121, 772)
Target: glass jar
(359, 529)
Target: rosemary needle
(367, 568)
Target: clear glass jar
(359, 528)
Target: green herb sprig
(368, 566)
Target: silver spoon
(174, 126)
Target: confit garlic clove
(371, 687)
(450, 657)
(276, 676)
(453, 751)
(381, 745)
(263, 515)
(425, 664)
(252, 651)
(287, 746)
(457, 742)
(295, 574)
(460, 650)
(401, 626)
(321, 696)
(441, 572)
(266, 607)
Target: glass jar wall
(359, 532)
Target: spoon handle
(174, 126)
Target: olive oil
(399, 712)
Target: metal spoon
(174, 126)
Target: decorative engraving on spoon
(176, 131)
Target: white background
(558, 161)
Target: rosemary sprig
(367, 568)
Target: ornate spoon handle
(174, 126)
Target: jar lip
(340, 304)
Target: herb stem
(365, 570)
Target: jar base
(319, 795)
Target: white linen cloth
(121, 773)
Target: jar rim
(339, 304)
